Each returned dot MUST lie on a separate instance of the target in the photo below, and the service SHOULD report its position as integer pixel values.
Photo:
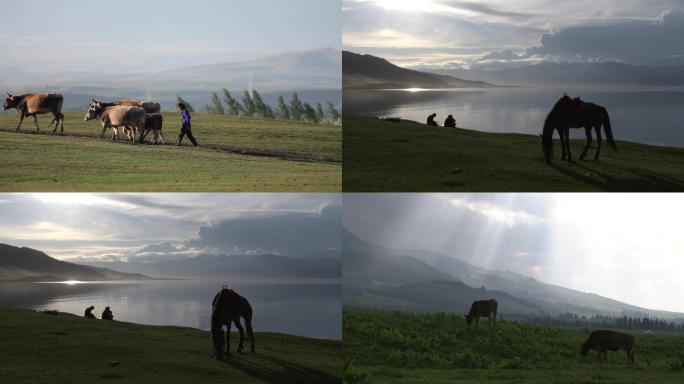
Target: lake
(643, 115)
(304, 308)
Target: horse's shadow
(641, 179)
(274, 370)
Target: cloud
(293, 234)
(635, 41)
(498, 213)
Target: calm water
(651, 116)
(305, 309)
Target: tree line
(252, 105)
(604, 321)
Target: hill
(577, 74)
(416, 280)
(235, 154)
(396, 347)
(225, 266)
(371, 72)
(44, 348)
(26, 264)
(382, 156)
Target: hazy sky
(119, 226)
(627, 247)
(79, 35)
(496, 33)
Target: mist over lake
(304, 308)
(643, 115)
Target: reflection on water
(651, 116)
(312, 310)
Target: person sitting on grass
(89, 312)
(450, 122)
(107, 314)
(186, 129)
(431, 120)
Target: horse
(566, 114)
(227, 308)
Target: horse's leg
(587, 130)
(250, 332)
(599, 139)
(228, 338)
(567, 143)
(241, 346)
(61, 118)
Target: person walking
(186, 129)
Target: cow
(132, 118)
(604, 341)
(32, 104)
(148, 106)
(153, 122)
(482, 308)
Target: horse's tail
(609, 131)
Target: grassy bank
(398, 347)
(63, 348)
(407, 156)
(236, 154)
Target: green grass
(399, 347)
(63, 348)
(407, 156)
(236, 154)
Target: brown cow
(32, 104)
(117, 116)
(604, 341)
(482, 308)
(153, 122)
(148, 106)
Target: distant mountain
(371, 72)
(240, 266)
(26, 264)
(380, 277)
(315, 75)
(578, 74)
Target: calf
(153, 122)
(604, 341)
(482, 308)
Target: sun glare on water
(71, 282)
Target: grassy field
(407, 156)
(63, 348)
(398, 347)
(235, 154)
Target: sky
(78, 35)
(627, 247)
(494, 34)
(106, 227)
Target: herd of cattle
(599, 340)
(136, 118)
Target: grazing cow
(482, 308)
(148, 106)
(118, 116)
(153, 122)
(604, 341)
(32, 104)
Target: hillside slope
(26, 264)
(63, 348)
(396, 347)
(371, 72)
